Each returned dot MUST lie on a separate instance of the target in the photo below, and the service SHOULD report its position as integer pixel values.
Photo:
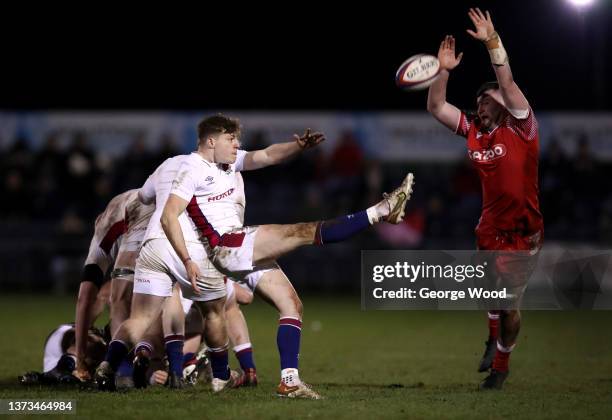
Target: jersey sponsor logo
(210, 180)
(488, 155)
(221, 196)
(143, 281)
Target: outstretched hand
(308, 139)
(446, 53)
(483, 25)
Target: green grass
(366, 365)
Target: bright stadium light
(581, 3)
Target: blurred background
(79, 125)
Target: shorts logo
(487, 155)
(221, 196)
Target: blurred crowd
(54, 183)
(54, 193)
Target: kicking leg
(273, 241)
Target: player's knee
(296, 306)
(299, 307)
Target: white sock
(290, 377)
(377, 212)
(503, 349)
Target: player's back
(115, 211)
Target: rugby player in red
(503, 146)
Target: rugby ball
(418, 72)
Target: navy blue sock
(188, 357)
(117, 350)
(174, 351)
(245, 357)
(219, 363)
(143, 348)
(66, 363)
(341, 228)
(288, 341)
(126, 368)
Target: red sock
(493, 324)
(502, 358)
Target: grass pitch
(404, 364)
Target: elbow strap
(94, 274)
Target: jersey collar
(199, 156)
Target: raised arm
(515, 101)
(437, 106)
(280, 152)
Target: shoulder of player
(195, 162)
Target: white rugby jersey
(53, 346)
(214, 191)
(124, 214)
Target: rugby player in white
(203, 196)
(118, 234)
(157, 268)
(126, 212)
(204, 184)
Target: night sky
(300, 57)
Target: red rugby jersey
(506, 160)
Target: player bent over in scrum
(118, 235)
